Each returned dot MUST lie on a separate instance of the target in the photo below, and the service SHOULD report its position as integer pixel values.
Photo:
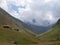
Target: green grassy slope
(51, 35)
(23, 36)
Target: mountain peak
(58, 22)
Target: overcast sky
(37, 12)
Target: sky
(37, 12)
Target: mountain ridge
(53, 34)
(13, 30)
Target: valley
(13, 32)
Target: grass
(24, 36)
(52, 35)
(9, 34)
(54, 44)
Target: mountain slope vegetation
(13, 31)
(51, 37)
(53, 34)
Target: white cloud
(3, 4)
(16, 2)
(40, 10)
(14, 14)
(48, 0)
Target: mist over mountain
(53, 34)
(15, 32)
(38, 29)
(44, 12)
(34, 28)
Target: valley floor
(48, 43)
(40, 43)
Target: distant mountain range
(38, 29)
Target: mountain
(12, 30)
(16, 32)
(37, 29)
(51, 35)
(58, 22)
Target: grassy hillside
(51, 35)
(13, 31)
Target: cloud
(28, 10)
(3, 4)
